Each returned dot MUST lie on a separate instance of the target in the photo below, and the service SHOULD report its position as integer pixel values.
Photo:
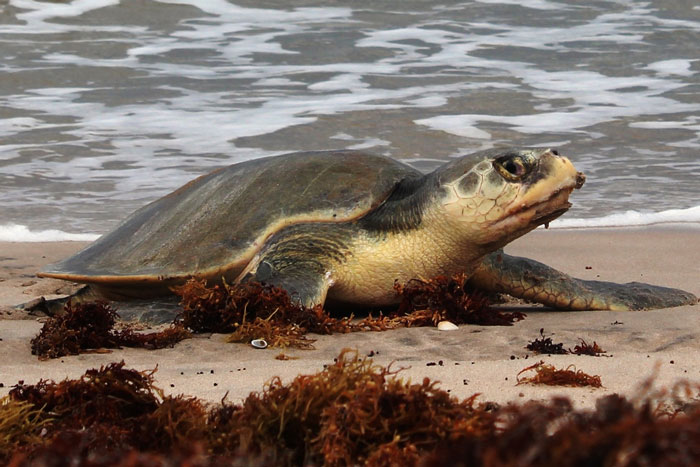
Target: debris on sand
(353, 412)
(448, 299)
(545, 345)
(253, 311)
(584, 348)
(551, 376)
(90, 327)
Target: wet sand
(472, 359)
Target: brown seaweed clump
(618, 432)
(551, 376)
(545, 345)
(82, 326)
(254, 311)
(101, 411)
(90, 325)
(353, 412)
(584, 348)
(259, 311)
(110, 416)
(448, 299)
(350, 413)
(112, 394)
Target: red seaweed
(448, 299)
(353, 412)
(551, 376)
(90, 326)
(258, 311)
(584, 348)
(545, 345)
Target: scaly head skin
(450, 219)
(496, 196)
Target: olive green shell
(215, 224)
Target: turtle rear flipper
(531, 280)
(56, 306)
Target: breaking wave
(633, 218)
(21, 233)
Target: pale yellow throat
(376, 262)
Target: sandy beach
(472, 359)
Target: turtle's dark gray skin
(345, 225)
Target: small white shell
(259, 343)
(446, 326)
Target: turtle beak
(548, 197)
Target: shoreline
(475, 359)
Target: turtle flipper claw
(531, 280)
(639, 296)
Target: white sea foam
(36, 16)
(690, 216)
(20, 233)
(672, 67)
(533, 4)
(598, 97)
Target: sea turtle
(345, 225)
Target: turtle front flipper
(299, 259)
(531, 280)
(305, 286)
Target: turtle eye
(512, 168)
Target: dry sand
(472, 359)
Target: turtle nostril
(555, 152)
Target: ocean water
(106, 105)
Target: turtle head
(495, 196)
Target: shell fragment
(259, 343)
(446, 326)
